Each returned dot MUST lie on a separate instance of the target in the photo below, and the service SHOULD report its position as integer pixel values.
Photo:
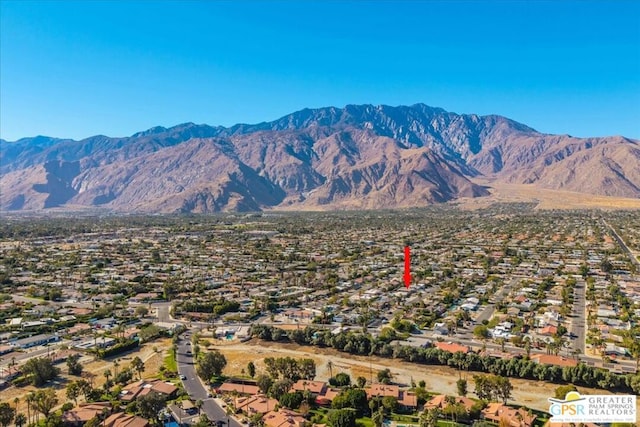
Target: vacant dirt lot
(438, 379)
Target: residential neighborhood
(552, 294)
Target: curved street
(196, 389)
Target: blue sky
(76, 69)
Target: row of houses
(103, 411)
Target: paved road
(579, 317)
(162, 312)
(196, 388)
(622, 244)
(489, 309)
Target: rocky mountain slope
(360, 156)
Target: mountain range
(356, 157)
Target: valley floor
(546, 199)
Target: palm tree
(107, 375)
(115, 368)
(451, 401)
(45, 400)
(20, 420)
(330, 366)
(29, 399)
(378, 419)
(88, 376)
(138, 366)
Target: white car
(182, 377)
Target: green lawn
(410, 419)
(364, 422)
(170, 363)
(319, 415)
(443, 423)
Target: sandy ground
(546, 199)
(438, 379)
(93, 371)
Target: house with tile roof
(552, 359)
(440, 402)
(496, 412)
(120, 419)
(84, 412)
(314, 387)
(452, 347)
(230, 387)
(283, 418)
(258, 404)
(141, 388)
(406, 399)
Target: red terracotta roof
(452, 347)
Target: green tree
(481, 332)
(279, 388)
(41, 370)
(307, 368)
(361, 382)
(124, 376)
(390, 404)
(264, 383)
(341, 379)
(54, 420)
(561, 391)
(150, 405)
(141, 311)
(107, 375)
(73, 391)
(74, 365)
(384, 376)
(20, 420)
(7, 413)
(85, 388)
(503, 388)
(461, 385)
(377, 419)
(354, 398)
(342, 418)
(482, 387)
(429, 418)
(138, 365)
(45, 400)
(203, 421)
(634, 383)
(210, 364)
(291, 400)
(251, 369)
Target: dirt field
(438, 379)
(546, 199)
(93, 371)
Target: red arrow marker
(407, 266)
